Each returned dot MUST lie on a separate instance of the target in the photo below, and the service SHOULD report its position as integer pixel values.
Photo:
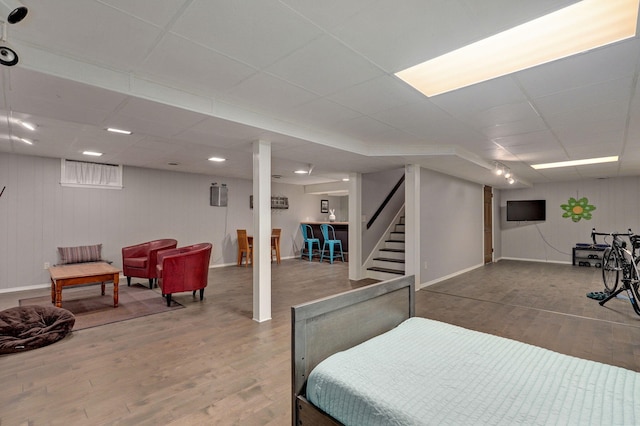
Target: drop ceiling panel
(157, 119)
(255, 33)
(208, 72)
(330, 13)
(393, 138)
(90, 30)
(543, 156)
(609, 133)
(362, 128)
(48, 96)
(534, 147)
(423, 29)
(605, 93)
(561, 174)
(377, 95)
(494, 16)
(160, 14)
(543, 138)
(268, 94)
(527, 125)
(475, 103)
(585, 69)
(430, 122)
(223, 130)
(321, 113)
(324, 66)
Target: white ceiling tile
(269, 94)
(152, 118)
(162, 12)
(377, 95)
(396, 35)
(473, 103)
(255, 33)
(528, 125)
(430, 122)
(586, 69)
(608, 92)
(208, 73)
(321, 112)
(324, 66)
(329, 13)
(362, 128)
(543, 138)
(87, 29)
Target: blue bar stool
(329, 235)
(308, 239)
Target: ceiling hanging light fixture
(501, 170)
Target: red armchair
(184, 269)
(140, 260)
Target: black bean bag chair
(28, 327)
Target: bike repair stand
(612, 295)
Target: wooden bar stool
(244, 248)
(275, 244)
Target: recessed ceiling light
(92, 153)
(114, 130)
(575, 163)
(582, 26)
(301, 172)
(27, 141)
(28, 126)
(345, 179)
(217, 159)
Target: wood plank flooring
(212, 364)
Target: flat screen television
(526, 210)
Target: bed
(362, 357)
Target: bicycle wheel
(610, 270)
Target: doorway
(488, 224)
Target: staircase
(389, 262)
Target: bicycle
(618, 259)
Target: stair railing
(385, 202)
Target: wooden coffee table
(82, 273)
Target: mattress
(426, 372)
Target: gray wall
(37, 215)
(451, 225)
(617, 205)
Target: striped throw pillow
(80, 254)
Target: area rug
(91, 309)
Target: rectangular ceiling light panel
(582, 26)
(575, 163)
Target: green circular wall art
(577, 209)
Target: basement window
(82, 174)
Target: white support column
(412, 222)
(355, 227)
(261, 231)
